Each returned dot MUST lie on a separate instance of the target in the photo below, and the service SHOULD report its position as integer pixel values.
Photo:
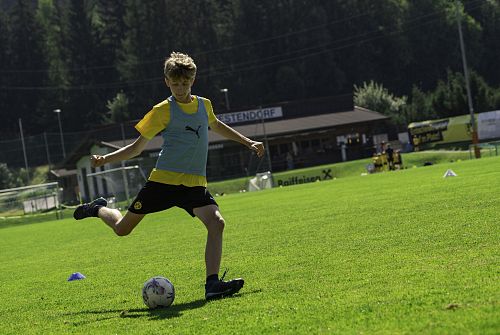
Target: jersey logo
(188, 128)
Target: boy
(179, 178)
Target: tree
(289, 84)
(78, 55)
(108, 30)
(486, 46)
(143, 50)
(249, 80)
(319, 69)
(377, 98)
(5, 66)
(85, 108)
(27, 62)
(118, 108)
(7, 179)
(420, 106)
(450, 96)
(431, 31)
(49, 16)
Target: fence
(487, 149)
(46, 148)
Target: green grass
(407, 252)
(345, 169)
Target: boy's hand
(258, 148)
(97, 160)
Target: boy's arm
(127, 152)
(224, 130)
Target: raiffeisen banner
(305, 177)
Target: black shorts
(155, 197)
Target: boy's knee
(221, 223)
(121, 231)
(216, 223)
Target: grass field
(406, 252)
(347, 169)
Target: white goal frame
(36, 202)
(123, 170)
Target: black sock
(213, 277)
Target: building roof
(301, 124)
(285, 127)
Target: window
(349, 139)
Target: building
(297, 134)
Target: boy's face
(180, 88)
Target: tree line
(101, 61)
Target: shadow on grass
(154, 314)
(174, 311)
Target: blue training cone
(76, 276)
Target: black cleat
(219, 288)
(87, 210)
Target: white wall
(84, 163)
(488, 125)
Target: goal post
(118, 185)
(30, 199)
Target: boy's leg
(121, 225)
(214, 222)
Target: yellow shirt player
(179, 178)
(383, 159)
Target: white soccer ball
(158, 292)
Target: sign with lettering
(251, 115)
(295, 180)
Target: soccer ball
(158, 292)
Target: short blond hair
(178, 66)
